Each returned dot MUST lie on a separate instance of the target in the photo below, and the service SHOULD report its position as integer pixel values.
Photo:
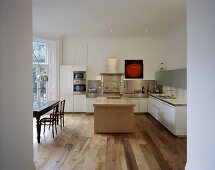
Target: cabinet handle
(156, 107)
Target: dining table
(40, 108)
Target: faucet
(171, 94)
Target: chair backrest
(62, 106)
(55, 109)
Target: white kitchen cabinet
(153, 107)
(136, 101)
(68, 102)
(89, 105)
(79, 67)
(167, 116)
(79, 103)
(174, 118)
(66, 86)
(66, 79)
(143, 105)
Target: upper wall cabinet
(177, 78)
(159, 77)
(168, 78)
(181, 78)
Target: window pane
(43, 85)
(42, 89)
(34, 78)
(43, 70)
(39, 53)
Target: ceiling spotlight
(111, 30)
(146, 30)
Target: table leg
(38, 128)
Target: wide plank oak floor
(77, 147)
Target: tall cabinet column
(66, 86)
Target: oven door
(79, 89)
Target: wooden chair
(60, 114)
(51, 120)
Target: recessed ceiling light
(111, 30)
(146, 30)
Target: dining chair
(60, 114)
(51, 121)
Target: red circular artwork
(133, 70)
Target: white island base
(113, 116)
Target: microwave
(79, 75)
(79, 87)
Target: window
(40, 66)
(45, 55)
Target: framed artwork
(133, 69)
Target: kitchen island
(113, 115)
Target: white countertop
(123, 101)
(175, 102)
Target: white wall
(175, 54)
(175, 48)
(16, 131)
(93, 52)
(201, 103)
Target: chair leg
(53, 130)
(63, 120)
(44, 127)
(55, 126)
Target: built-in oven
(79, 75)
(79, 86)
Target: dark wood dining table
(39, 109)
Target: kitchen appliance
(79, 75)
(111, 87)
(92, 93)
(79, 86)
(92, 90)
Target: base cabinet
(136, 101)
(80, 103)
(167, 116)
(153, 107)
(89, 105)
(174, 118)
(141, 105)
(68, 102)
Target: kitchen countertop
(163, 97)
(103, 101)
(169, 100)
(129, 95)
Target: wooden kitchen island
(113, 115)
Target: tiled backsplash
(130, 86)
(177, 92)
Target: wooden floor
(77, 147)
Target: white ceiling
(97, 17)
